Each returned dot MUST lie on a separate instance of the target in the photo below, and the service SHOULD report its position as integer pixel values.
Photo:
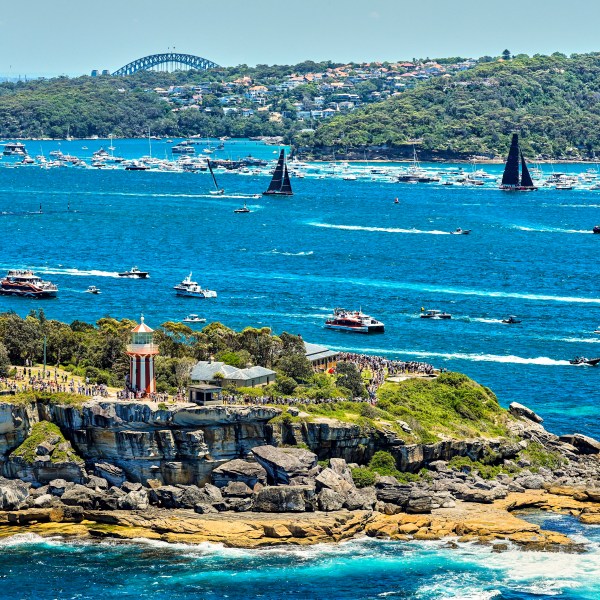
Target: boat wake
(381, 229)
(74, 272)
(550, 229)
(518, 360)
(275, 251)
(482, 320)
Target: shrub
(383, 463)
(363, 477)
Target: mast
(526, 180)
(510, 176)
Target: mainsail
(511, 179)
(213, 175)
(280, 183)
(510, 176)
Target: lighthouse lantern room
(142, 351)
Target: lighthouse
(142, 351)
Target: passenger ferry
(14, 149)
(346, 320)
(25, 283)
(191, 289)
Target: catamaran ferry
(25, 283)
(356, 320)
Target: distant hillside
(554, 101)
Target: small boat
(217, 191)
(582, 360)
(193, 318)
(511, 320)
(135, 273)
(396, 201)
(244, 209)
(280, 183)
(346, 320)
(596, 229)
(563, 185)
(92, 289)
(435, 314)
(459, 231)
(512, 180)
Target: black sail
(213, 175)
(526, 180)
(286, 186)
(511, 170)
(277, 181)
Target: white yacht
(193, 318)
(192, 289)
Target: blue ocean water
(32, 568)
(287, 265)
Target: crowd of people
(230, 399)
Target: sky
(72, 37)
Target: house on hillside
(213, 373)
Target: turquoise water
(32, 568)
(287, 265)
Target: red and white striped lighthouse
(142, 351)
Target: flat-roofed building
(221, 374)
(321, 357)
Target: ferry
(193, 318)
(14, 149)
(191, 289)
(184, 147)
(346, 320)
(135, 273)
(25, 283)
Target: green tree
(506, 54)
(296, 366)
(349, 377)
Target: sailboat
(512, 181)
(217, 191)
(280, 183)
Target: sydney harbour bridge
(168, 61)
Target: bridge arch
(168, 60)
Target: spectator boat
(582, 360)
(346, 320)
(511, 320)
(459, 231)
(435, 314)
(92, 289)
(191, 289)
(26, 284)
(193, 318)
(135, 273)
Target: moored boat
(356, 320)
(135, 273)
(25, 283)
(192, 289)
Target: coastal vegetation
(45, 438)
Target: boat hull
(186, 294)
(28, 293)
(361, 329)
(134, 275)
(267, 193)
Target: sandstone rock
(419, 502)
(283, 463)
(212, 492)
(13, 494)
(168, 496)
(339, 466)
(205, 509)
(113, 474)
(285, 498)
(328, 500)
(328, 478)
(583, 443)
(44, 501)
(129, 486)
(245, 471)
(57, 487)
(97, 483)
(191, 496)
(363, 499)
(79, 495)
(519, 410)
(390, 490)
(240, 504)
(236, 489)
(531, 482)
(134, 500)
(438, 465)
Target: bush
(363, 477)
(383, 463)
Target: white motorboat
(193, 318)
(435, 314)
(192, 289)
(92, 289)
(135, 273)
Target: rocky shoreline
(238, 484)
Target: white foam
(382, 229)
(550, 229)
(275, 251)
